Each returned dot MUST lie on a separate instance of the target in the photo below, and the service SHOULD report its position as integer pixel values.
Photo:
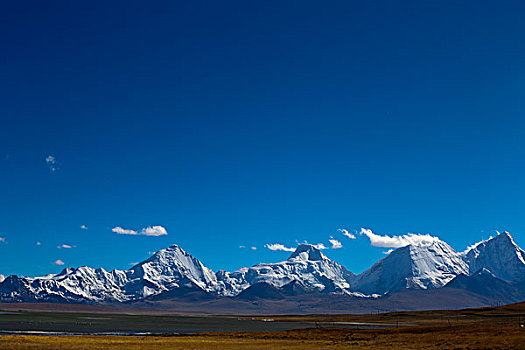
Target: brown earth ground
(488, 328)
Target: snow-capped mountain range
(429, 265)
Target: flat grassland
(489, 328)
(503, 336)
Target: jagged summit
(500, 254)
(503, 238)
(307, 252)
(505, 235)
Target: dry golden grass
(476, 336)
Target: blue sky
(235, 124)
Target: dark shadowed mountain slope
(486, 284)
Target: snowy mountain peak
(415, 266)
(174, 247)
(307, 252)
(172, 266)
(172, 251)
(500, 255)
(307, 265)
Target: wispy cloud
(66, 246)
(38, 243)
(335, 243)
(346, 233)
(148, 231)
(470, 247)
(386, 252)
(83, 227)
(244, 247)
(59, 262)
(52, 163)
(2, 239)
(278, 246)
(397, 241)
(123, 231)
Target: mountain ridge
(174, 273)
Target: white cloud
(133, 263)
(2, 278)
(346, 233)
(52, 163)
(242, 246)
(319, 246)
(38, 243)
(59, 262)
(253, 248)
(2, 239)
(277, 246)
(84, 227)
(388, 251)
(148, 231)
(335, 243)
(154, 231)
(397, 241)
(65, 246)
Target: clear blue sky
(247, 123)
